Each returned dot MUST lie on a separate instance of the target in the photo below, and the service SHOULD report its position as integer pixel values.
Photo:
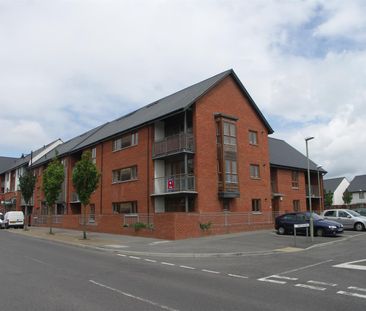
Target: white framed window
(253, 137)
(256, 205)
(125, 141)
(295, 179)
(124, 174)
(254, 171)
(129, 207)
(361, 195)
(94, 155)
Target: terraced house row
(197, 161)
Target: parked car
(14, 219)
(285, 224)
(2, 224)
(361, 211)
(350, 219)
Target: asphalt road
(43, 275)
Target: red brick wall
(227, 98)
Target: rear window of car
(289, 217)
(330, 214)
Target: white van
(14, 219)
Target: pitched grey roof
(281, 154)
(26, 158)
(6, 163)
(171, 104)
(358, 183)
(332, 184)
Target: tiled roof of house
(358, 183)
(332, 184)
(281, 154)
(171, 104)
(6, 163)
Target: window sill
(255, 178)
(254, 145)
(256, 213)
(124, 181)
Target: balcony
(314, 191)
(182, 142)
(174, 184)
(74, 198)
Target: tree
(53, 178)
(85, 178)
(27, 182)
(347, 197)
(328, 198)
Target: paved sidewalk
(240, 244)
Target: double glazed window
(231, 172)
(229, 133)
(125, 141)
(253, 137)
(256, 205)
(296, 205)
(295, 179)
(254, 171)
(125, 174)
(125, 207)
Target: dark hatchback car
(285, 224)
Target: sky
(69, 66)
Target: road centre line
(210, 271)
(305, 267)
(133, 296)
(150, 260)
(122, 255)
(311, 287)
(134, 257)
(283, 277)
(36, 260)
(238, 276)
(341, 292)
(322, 283)
(167, 263)
(267, 279)
(187, 267)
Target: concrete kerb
(105, 248)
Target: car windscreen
(2, 217)
(353, 213)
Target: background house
(358, 189)
(337, 186)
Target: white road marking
(187, 267)
(122, 255)
(284, 277)
(305, 267)
(210, 271)
(37, 260)
(134, 257)
(351, 265)
(150, 260)
(268, 279)
(357, 288)
(167, 263)
(341, 292)
(238, 276)
(310, 287)
(133, 296)
(322, 283)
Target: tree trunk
(50, 219)
(25, 217)
(84, 222)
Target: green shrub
(205, 225)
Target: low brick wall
(169, 226)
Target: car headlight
(332, 227)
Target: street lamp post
(319, 189)
(309, 188)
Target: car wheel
(319, 232)
(359, 226)
(281, 230)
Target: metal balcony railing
(173, 184)
(314, 191)
(174, 144)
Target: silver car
(348, 218)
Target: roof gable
(332, 184)
(358, 184)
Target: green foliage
(53, 178)
(85, 178)
(328, 198)
(139, 225)
(27, 181)
(205, 225)
(347, 197)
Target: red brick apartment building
(196, 162)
